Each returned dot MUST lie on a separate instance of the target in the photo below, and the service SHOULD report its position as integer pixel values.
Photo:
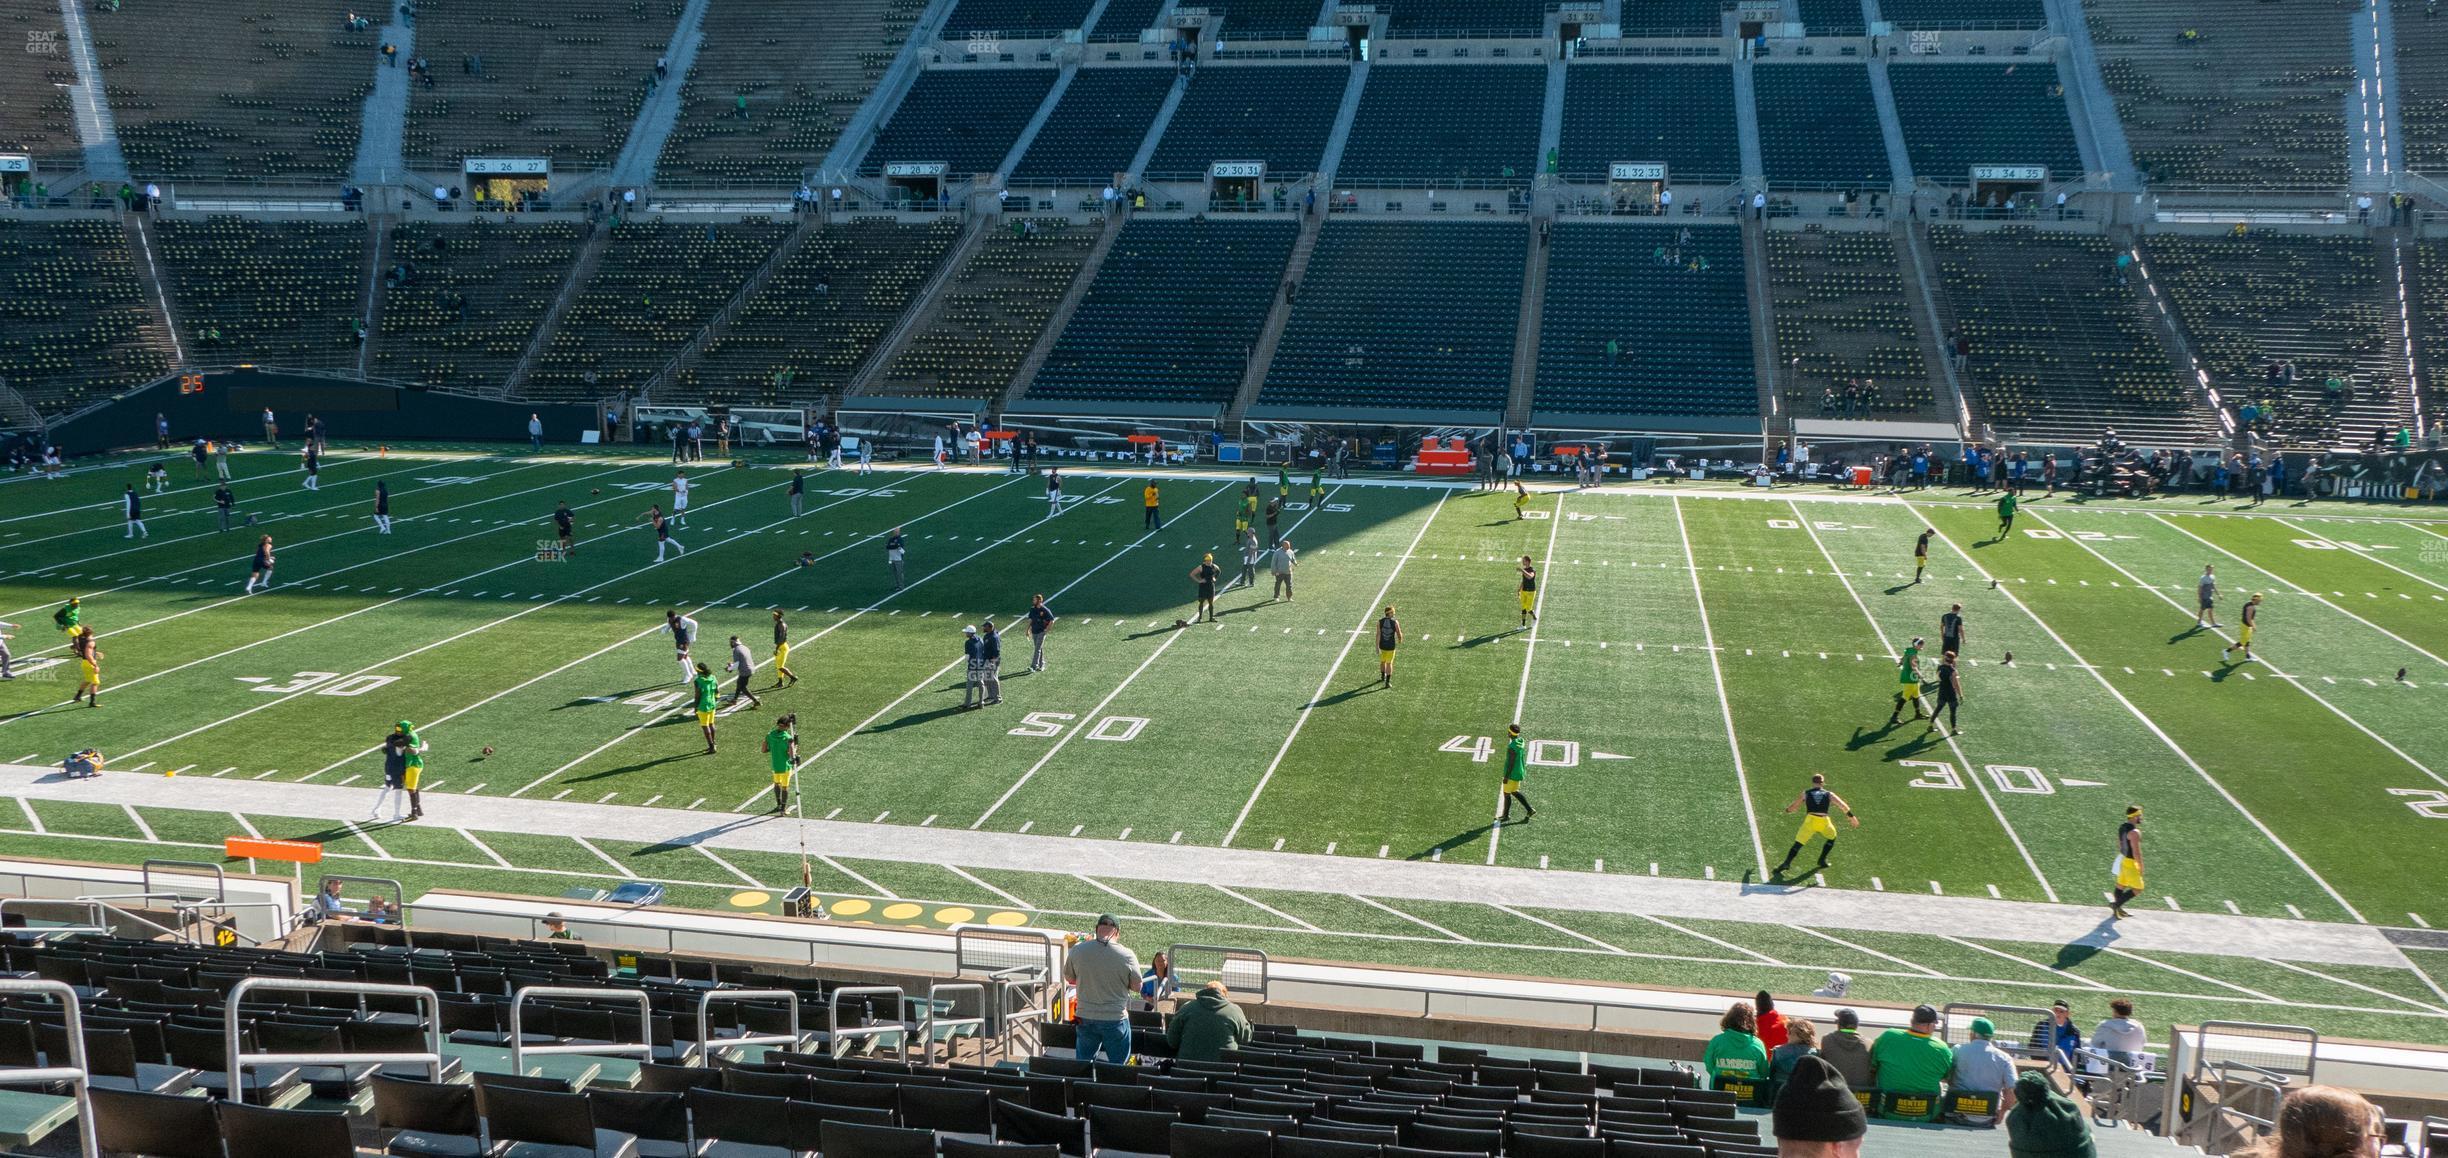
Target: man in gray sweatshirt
(1106, 976)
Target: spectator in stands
(1207, 1025)
(1104, 976)
(1801, 1041)
(1736, 1052)
(557, 929)
(2323, 1122)
(2059, 1034)
(1845, 1050)
(381, 911)
(1816, 1114)
(1771, 1023)
(1981, 1067)
(328, 904)
(2045, 1123)
(2121, 1037)
(1911, 1061)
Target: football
(488, 749)
(596, 491)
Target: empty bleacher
(31, 88)
(2059, 351)
(2259, 97)
(278, 293)
(1677, 311)
(1454, 18)
(656, 286)
(1277, 114)
(1124, 20)
(965, 118)
(992, 312)
(1680, 114)
(828, 304)
(461, 302)
(1172, 313)
(1014, 19)
(1097, 126)
(563, 81)
(1413, 315)
(1673, 18)
(1832, 17)
(2430, 262)
(73, 319)
(1267, 19)
(252, 88)
(1972, 14)
(1447, 123)
(1842, 315)
(801, 89)
(2422, 84)
(2322, 303)
(1819, 126)
(1956, 116)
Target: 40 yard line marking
(2316, 596)
(1725, 706)
(1521, 696)
(1302, 718)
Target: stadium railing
(74, 1074)
(233, 1028)
(644, 1048)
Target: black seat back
(513, 1114)
(1190, 1141)
(1017, 1123)
(155, 1125)
(1145, 1131)
(853, 1140)
(427, 1107)
(260, 1132)
(741, 1118)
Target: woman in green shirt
(1736, 1050)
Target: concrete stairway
(590, 255)
(924, 307)
(1262, 351)
(1069, 305)
(687, 356)
(1526, 327)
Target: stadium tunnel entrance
(506, 181)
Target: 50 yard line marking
(1889, 646)
(1521, 696)
(1725, 706)
(1302, 719)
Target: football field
(1699, 653)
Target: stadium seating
(1468, 18)
(279, 293)
(1832, 17)
(801, 90)
(1013, 19)
(1841, 315)
(2422, 85)
(1818, 126)
(38, 121)
(1281, 115)
(658, 284)
(1964, 13)
(2430, 261)
(1441, 123)
(829, 302)
(992, 312)
(1172, 313)
(1956, 116)
(1681, 114)
(2059, 350)
(2257, 97)
(965, 118)
(73, 318)
(1268, 19)
(1124, 20)
(1096, 128)
(2319, 302)
(459, 303)
(1673, 18)
(1408, 314)
(563, 81)
(1683, 332)
(254, 88)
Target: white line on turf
(2145, 719)
(1431, 926)
(2076, 978)
(1101, 886)
(1573, 933)
(972, 878)
(137, 819)
(2182, 972)
(2315, 596)
(726, 866)
(482, 847)
(2422, 1005)
(603, 856)
(1521, 695)
(1754, 954)
(1255, 903)
(2004, 825)
(1830, 937)
(148, 543)
(845, 870)
(1725, 706)
(1302, 718)
(2365, 553)
(358, 828)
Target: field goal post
(1243, 971)
(1022, 971)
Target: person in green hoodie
(2045, 1123)
(416, 749)
(1207, 1025)
(1736, 1051)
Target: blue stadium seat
(965, 118)
(1172, 313)
(1683, 334)
(1956, 116)
(1404, 314)
(1444, 122)
(1097, 126)
(1273, 113)
(1681, 114)
(1818, 126)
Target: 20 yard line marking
(2315, 596)
(1725, 706)
(1521, 695)
(1302, 718)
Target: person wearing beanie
(1816, 1114)
(2045, 1123)
(1845, 1050)
(1981, 1068)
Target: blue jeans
(1113, 1038)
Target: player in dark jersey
(1950, 694)
(382, 507)
(2244, 633)
(1040, 620)
(798, 491)
(1815, 803)
(1205, 575)
(1529, 591)
(262, 571)
(663, 535)
(2128, 863)
(1921, 552)
(564, 526)
(2006, 505)
(783, 676)
(1951, 630)
(1389, 637)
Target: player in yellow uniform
(707, 694)
(1908, 685)
(2128, 863)
(782, 752)
(1521, 501)
(1815, 803)
(2244, 633)
(1529, 591)
(1921, 552)
(416, 748)
(782, 671)
(89, 666)
(1389, 637)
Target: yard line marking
(564, 792)
(1255, 903)
(2145, 719)
(972, 878)
(1101, 886)
(2183, 972)
(1725, 706)
(603, 856)
(179, 769)
(32, 821)
(139, 821)
(2360, 551)
(358, 829)
(727, 866)
(139, 767)
(1301, 719)
(1576, 934)
(2077, 978)
(2425, 1006)
(1719, 941)
(1953, 745)
(845, 870)
(1431, 926)
(2315, 597)
(243, 823)
(345, 781)
(1521, 696)
(1823, 935)
(482, 847)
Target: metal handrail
(936, 1001)
(93, 913)
(519, 1049)
(220, 878)
(79, 1079)
(238, 1060)
(281, 915)
(833, 1023)
(181, 908)
(705, 1026)
(1228, 953)
(399, 893)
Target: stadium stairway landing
(382, 128)
(636, 163)
(96, 131)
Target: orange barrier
(251, 848)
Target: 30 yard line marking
(1301, 719)
(358, 830)
(1576, 934)
(1521, 695)
(1725, 705)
